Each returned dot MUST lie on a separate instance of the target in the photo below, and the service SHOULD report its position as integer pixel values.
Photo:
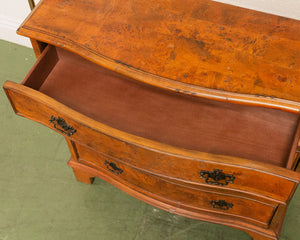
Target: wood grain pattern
(203, 43)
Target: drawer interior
(188, 122)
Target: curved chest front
(198, 116)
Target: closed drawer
(178, 195)
(47, 97)
(199, 171)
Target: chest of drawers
(191, 108)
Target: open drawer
(255, 133)
(88, 103)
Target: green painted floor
(41, 200)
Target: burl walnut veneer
(191, 106)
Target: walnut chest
(191, 107)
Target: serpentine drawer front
(176, 194)
(193, 108)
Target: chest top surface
(181, 45)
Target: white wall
(285, 8)
(13, 12)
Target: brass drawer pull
(221, 204)
(217, 177)
(64, 127)
(112, 167)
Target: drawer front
(179, 196)
(39, 111)
(194, 171)
(197, 172)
